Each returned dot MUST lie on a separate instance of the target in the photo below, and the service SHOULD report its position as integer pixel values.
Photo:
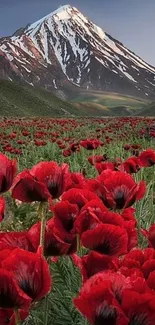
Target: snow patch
(126, 74)
(54, 82)
(135, 68)
(10, 57)
(150, 82)
(99, 32)
(23, 66)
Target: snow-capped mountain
(65, 48)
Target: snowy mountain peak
(60, 12)
(65, 47)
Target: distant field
(148, 111)
(111, 100)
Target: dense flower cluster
(118, 278)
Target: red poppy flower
(89, 219)
(28, 189)
(4, 253)
(128, 214)
(74, 147)
(8, 169)
(129, 262)
(96, 206)
(25, 133)
(151, 280)
(136, 146)
(96, 187)
(133, 271)
(90, 144)
(139, 284)
(31, 272)
(106, 239)
(94, 263)
(79, 196)
(11, 296)
(148, 267)
(138, 256)
(75, 180)
(2, 208)
(150, 235)
(67, 153)
(98, 304)
(127, 147)
(121, 191)
(65, 215)
(131, 165)
(20, 141)
(149, 253)
(147, 158)
(132, 234)
(85, 221)
(118, 282)
(97, 159)
(11, 240)
(139, 308)
(104, 165)
(40, 143)
(57, 243)
(144, 260)
(103, 176)
(52, 175)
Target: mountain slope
(25, 100)
(149, 110)
(65, 49)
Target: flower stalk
(42, 216)
(17, 317)
(78, 243)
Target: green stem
(17, 317)
(78, 243)
(41, 213)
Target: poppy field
(77, 221)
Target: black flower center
(4, 184)
(7, 300)
(139, 320)
(52, 248)
(35, 195)
(119, 199)
(104, 248)
(106, 315)
(27, 288)
(53, 188)
(90, 146)
(69, 224)
(151, 161)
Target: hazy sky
(130, 21)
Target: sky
(132, 22)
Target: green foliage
(24, 100)
(58, 308)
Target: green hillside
(25, 100)
(149, 110)
(110, 100)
